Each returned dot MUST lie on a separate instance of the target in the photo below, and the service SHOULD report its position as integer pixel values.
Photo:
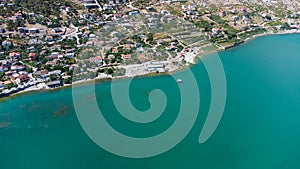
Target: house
(191, 13)
(107, 7)
(96, 59)
(138, 45)
(127, 46)
(153, 20)
(291, 21)
(49, 23)
(233, 11)
(171, 48)
(149, 8)
(32, 56)
(14, 55)
(33, 41)
(70, 55)
(70, 50)
(8, 73)
(115, 50)
(54, 54)
(152, 25)
(55, 72)
(216, 31)
(43, 52)
(68, 9)
(126, 56)
(191, 7)
(22, 30)
(133, 13)
(18, 15)
(42, 74)
(153, 67)
(294, 27)
(235, 18)
(222, 13)
(57, 30)
(194, 17)
(121, 1)
(2, 30)
(14, 76)
(73, 67)
(117, 16)
(85, 16)
(3, 68)
(3, 62)
(81, 22)
(91, 5)
(89, 43)
(49, 38)
(244, 10)
(266, 16)
(13, 19)
(158, 54)
(89, 1)
(31, 14)
(100, 23)
(92, 36)
(23, 78)
(31, 49)
(70, 37)
(56, 47)
(17, 67)
(60, 57)
(33, 30)
(7, 43)
(54, 84)
(8, 83)
(178, 1)
(246, 17)
(111, 57)
(165, 12)
(86, 34)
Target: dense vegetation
(49, 7)
(207, 26)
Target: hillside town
(49, 44)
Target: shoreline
(82, 82)
(110, 78)
(285, 32)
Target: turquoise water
(260, 127)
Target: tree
(9, 25)
(285, 26)
(67, 80)
(109, 71)
(101, 70)
(47, 67)
(113, 60)
(1, 75)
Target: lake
(260, 127)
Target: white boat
(179, 80)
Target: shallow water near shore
(260, 127)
